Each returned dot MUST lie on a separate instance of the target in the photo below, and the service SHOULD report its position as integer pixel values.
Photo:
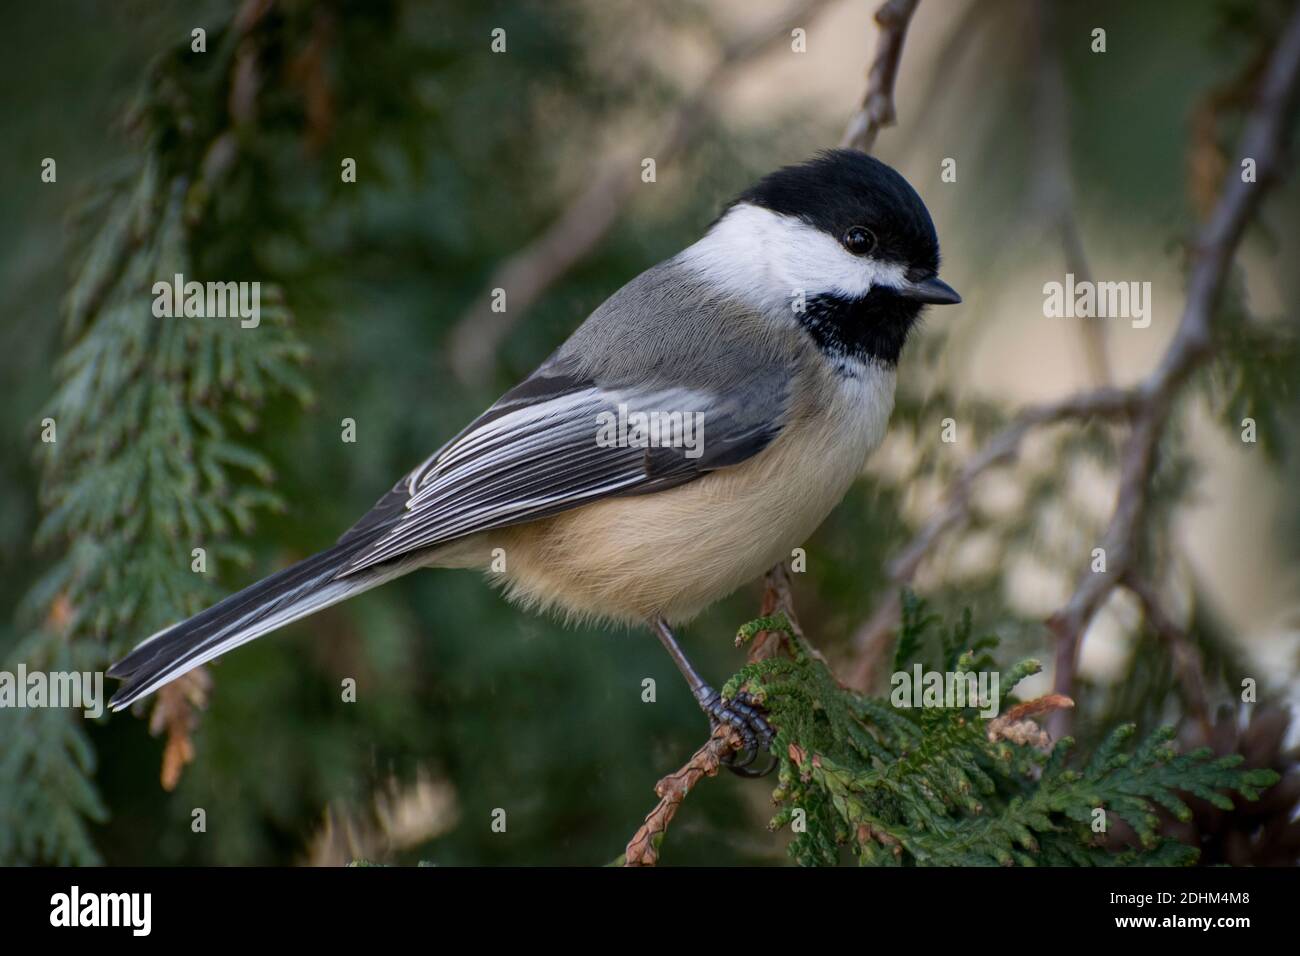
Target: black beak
(932, 290)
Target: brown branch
(1211, 255)
(643, 848)
(777, 599)
(529, 273)
(877, 110)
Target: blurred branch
(877, 109)
(1211, 255)
(528, 274)
(871, 640)
(1147, 404)
(1054, 204)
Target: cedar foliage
(933, 786)
(151, 457)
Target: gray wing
(536, 453)
(539, 450)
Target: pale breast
(676, 552)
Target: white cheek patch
(756, 253)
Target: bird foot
(746, 716)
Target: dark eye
(859, 240)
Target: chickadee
(766, 352)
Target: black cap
(842, 188)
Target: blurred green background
(464, 156)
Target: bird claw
(744, 715)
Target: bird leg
(742, 712)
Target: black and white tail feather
(272, 603)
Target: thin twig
(529, 273)
(877, 109)
(643, 848)
(777, 599)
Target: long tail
(286, 596)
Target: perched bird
(696, 428)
